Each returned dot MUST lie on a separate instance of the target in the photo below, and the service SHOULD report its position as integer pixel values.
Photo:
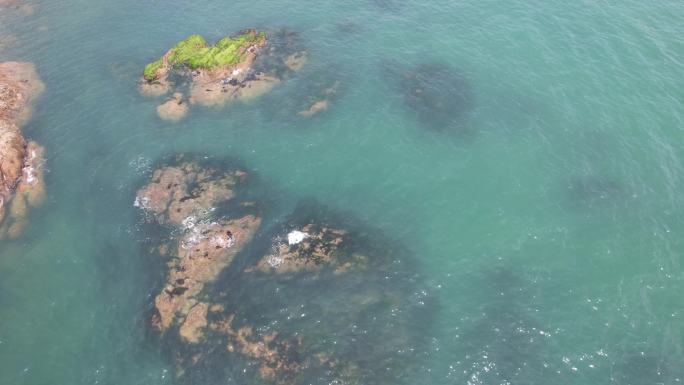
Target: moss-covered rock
(238, 67)
(194, 53)
(151, 71)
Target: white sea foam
(296, 236)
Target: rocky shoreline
(21, 162)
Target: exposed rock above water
(21, 161)
(236, 68)
(185, 189)
(183, 197)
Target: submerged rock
(174, 109)
(323, 95)
(257, 319)
(314, 108)
(312, 247)
(315, 300)
(595, 190)
(439, 95)
(236, 68)
(317, 91)
(6, 41)
(21, 161)
(20, 6)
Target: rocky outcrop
(182, 197)
(21, 161)
(312, 298)
(202, 252)
(236, 68)
(184, 192)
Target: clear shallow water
(549, 234)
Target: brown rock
(277, 357)
(196, 320)
(20, 6)
(219, 86)
(179, 193)
(182, 196)
(173, 109)
(204, 251)
(12, 155)
(311, 248)
(316, 107)
(155, 89)
(21, 162)
(215, 94)
(19, 85)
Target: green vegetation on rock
(194, 52)
(187, 49)
(151, 69)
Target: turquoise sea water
(548, 225)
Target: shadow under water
(389, 5)
(438, 95)
(594, 190)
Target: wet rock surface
(21, 161)
(185, 191)
(183, 197)
(317, 298)
(312, 247)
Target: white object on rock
(296, 236)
